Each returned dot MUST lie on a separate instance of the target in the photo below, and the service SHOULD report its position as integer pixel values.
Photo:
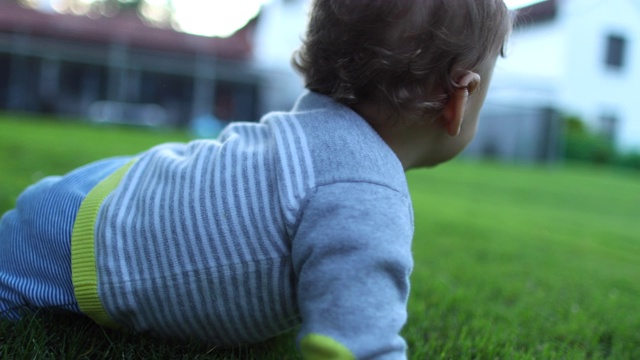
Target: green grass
(511, 262)
(516, 262)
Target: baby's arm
(352, 256)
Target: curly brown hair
(400, 54)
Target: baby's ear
(453, 112)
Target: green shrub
(629, 160)
(583, 145)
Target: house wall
(561, 63)
(590, 87)
(278, 34)
(533, 65)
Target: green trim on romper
(83, 255)
(321, 347)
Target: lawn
(511, 262)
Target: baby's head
(404, 56)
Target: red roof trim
(126, 29)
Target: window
(608, 127)
(616, 46)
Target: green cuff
(83, 255)
(320, 347)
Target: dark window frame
(616, 50)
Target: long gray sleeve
(352, 258)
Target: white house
(581, 57)
(278, 34)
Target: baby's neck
(412, 143)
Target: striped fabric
(35, 268)
(196, 239)
(303, 219)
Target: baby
(302, 219)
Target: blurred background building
(565, 57)
(117, 67)
(578, 57)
